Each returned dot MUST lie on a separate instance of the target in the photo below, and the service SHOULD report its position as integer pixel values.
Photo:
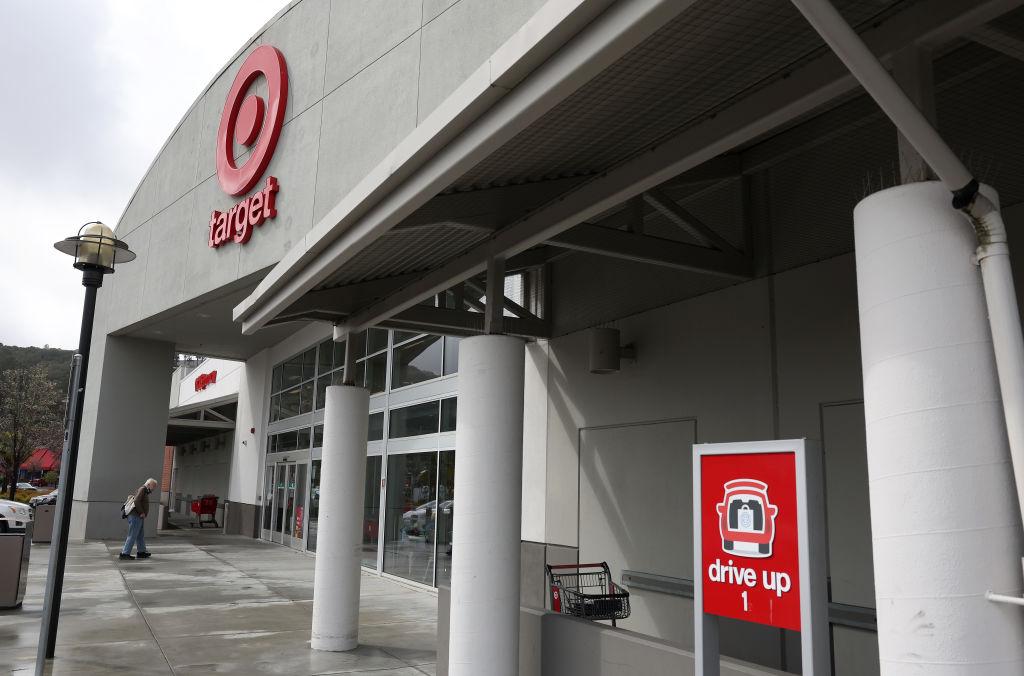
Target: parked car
(38, 482)
(420, 520)
(14, 516)
(45, 499)
(25, 486)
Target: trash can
(42, 523)
(14, 551)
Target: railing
(839, 614)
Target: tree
(31, 416)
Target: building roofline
(559, 49)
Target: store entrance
(284, 506)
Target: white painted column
(484, 630)
(339, 535)
(944, 516)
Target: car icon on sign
(746, 519)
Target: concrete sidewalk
(207, 603)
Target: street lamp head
(95, 249)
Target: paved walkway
(207, 603)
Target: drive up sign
(758, 553)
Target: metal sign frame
(814, 644)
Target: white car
(14, 516)
(46, 499)
(25, 486)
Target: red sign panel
(255, 124)
(749, 538)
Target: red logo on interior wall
(255, 124)
(204, 380)
(749, 538)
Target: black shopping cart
(586, 590)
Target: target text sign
(254, 124)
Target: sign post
(758, 527)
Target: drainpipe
(992, 253)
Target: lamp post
(96, 251)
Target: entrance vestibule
(284, 503)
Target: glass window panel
(371, 511)
(318, 436)
(445, 516)
(314, 505)
(325, 357)
(279, 490)
(275, 408)
(287, 441)
(375, 430)
(413, 420)
(417, 361)
(304, 435)
(321, 390)
(306, 400)
(292, 372)
(402, 336)
(289, 403)
(339, 354)
(271, 443)
(451, 354)
(411, 516)
(338, 377)
(376, 372)
(360, 374)
(278, 379)
(268, 496)
(299, 515)
(309, 363)
(448, 410)
(376, 339)
(290, 500)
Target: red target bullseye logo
(251, 121)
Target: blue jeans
(135, 535)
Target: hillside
(56, 362)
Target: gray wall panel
(463, 37)
(362, 32)
(364, 120)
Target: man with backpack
(135, 509)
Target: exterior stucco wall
(362, 76)
(229, 377)
(776, 357)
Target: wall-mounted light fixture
(605, 351)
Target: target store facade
(470, 281)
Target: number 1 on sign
(745, 606)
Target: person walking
(136, 521)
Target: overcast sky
(89, 92)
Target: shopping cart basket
(586, 590)
(205, 506)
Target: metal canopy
(649, 161)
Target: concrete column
(243, 477)
(339, 535)
(944, 517)
(484, 636)
(124, 427)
